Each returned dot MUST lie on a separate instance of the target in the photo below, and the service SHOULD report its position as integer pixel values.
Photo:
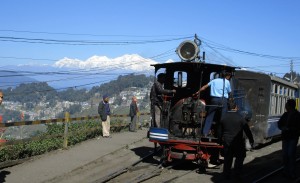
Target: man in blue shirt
(219, 92)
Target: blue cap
(105, 96)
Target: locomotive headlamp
(187, 51)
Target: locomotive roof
(186, 65)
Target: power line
(226, 48)
(86, 34)
(85, 42)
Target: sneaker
(209, 165)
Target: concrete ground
(59, 162)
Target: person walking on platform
(104, 112)
(133, 114)
(219, 92)
(1, 97)
(156, 99)
(231, 129)
(2, 130)
(289, 124)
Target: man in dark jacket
(289, 124)
(156, 98)
(232, 126)
(133, 114)
(104, 112)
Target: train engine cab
(183, 113)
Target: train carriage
(262, 99)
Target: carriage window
(214, 75)
(280, 90)
(161, 70)
(286, 92)
(276, 89)
(180, 79)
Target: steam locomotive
(260, 99)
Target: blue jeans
(216, 101)
(289, 148)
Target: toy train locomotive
(260, 99)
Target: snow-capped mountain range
(71, 72)
(132, 62)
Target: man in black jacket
(232, 126)
(156, 99)
(104, 112)
(289, 124)
(133, 114)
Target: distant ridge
(13, 79)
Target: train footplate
(210, 139)
(158, 134)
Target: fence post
(67, 118)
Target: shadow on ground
(3, 175)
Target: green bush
(52, 139)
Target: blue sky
(269, 27)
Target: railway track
(145, 169)
(139, 163)
(275, 176)
(131, 168)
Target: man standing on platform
(104, 112)
(231, 130)
(133, 114)
(1, 97)
(289, 124)
(2, 130)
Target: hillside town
(42, 111)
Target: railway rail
(130, 168)
(273, 175)
(139, 163)
(142, 171)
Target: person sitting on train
(219, 92)
(156, 99)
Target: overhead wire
(213, 46)
(226, 48)
(86, 42)
(102, 72)
(86, 34)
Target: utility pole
(291, 71)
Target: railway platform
(50, 165)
